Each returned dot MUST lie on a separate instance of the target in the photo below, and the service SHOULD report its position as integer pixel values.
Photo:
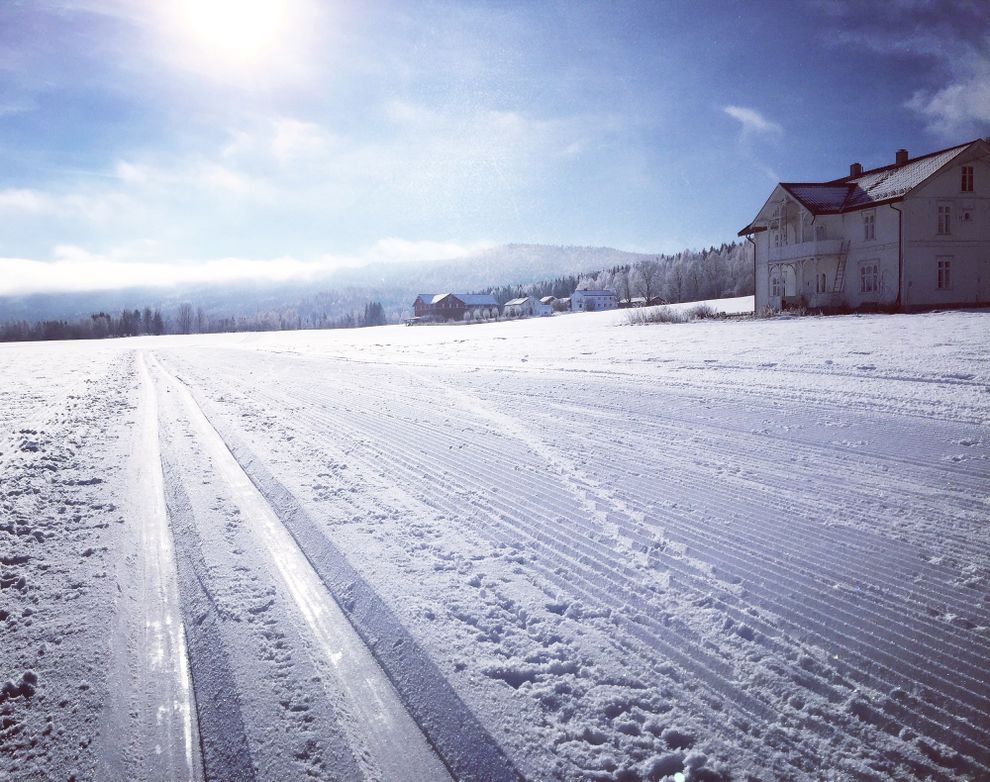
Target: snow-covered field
(562, 548)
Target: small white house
(524, 307)
(912, 234)
(583, 300)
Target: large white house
(912, 234)
(583, 300)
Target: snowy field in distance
(577, 549)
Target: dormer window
(869, 226)
(967, 179)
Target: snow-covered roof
(515, 302)
(470, 299)
(870, 188)
(548, 300)
(585, 292)
(476, 299)
(426, 297)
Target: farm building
(912, 234)
(524, 307)
(592, 301)
(423, 304)
(455, 306)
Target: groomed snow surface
(560, 548)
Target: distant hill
(393, 284)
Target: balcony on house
(815, 248)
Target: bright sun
(235, 31)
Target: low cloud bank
(74, 270)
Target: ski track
(377, 721)
(150, 722)
(826, 600)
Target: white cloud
(297, 141)
(75, 269)
(950, 39)
(752, 121)
(962, 107)
(23, 200)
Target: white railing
(814, 248)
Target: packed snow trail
(788, 562)
(160, 739)
(380, 724)
(751, 550)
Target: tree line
(690, 275)
(185, 320)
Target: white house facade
(591, 301)
(523, 307)
(913, 234)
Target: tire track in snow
(399, 748)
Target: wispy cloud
(90, 205)
(752, 121)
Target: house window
(967, 179)
(819, 233)
(869, 277)
(821, 283)
(869, 226)
(776, 288)
(944, 279)
(944, 216)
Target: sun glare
(235, 31)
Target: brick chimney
(902, 157)
(855, 169)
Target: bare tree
(202, 322)
(623, 285)
(184, 320)
(677, 282)
(647, 273)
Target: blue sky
(213, 139)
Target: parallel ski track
(468, 757)
(580, 581)
(390, 430)
(590, 549)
